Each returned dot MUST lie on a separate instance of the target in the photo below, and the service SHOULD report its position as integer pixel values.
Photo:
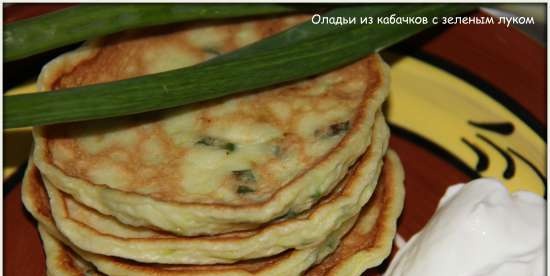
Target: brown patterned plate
(467, 101)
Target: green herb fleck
(208, 141)
(291, 214)
(219, 143)
(333, 130)
(277, 151)
(246, 176)
(230, 147)
(332, 243)
(244, 189)
(316, 196)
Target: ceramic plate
(466, 101)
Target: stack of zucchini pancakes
(296, 179)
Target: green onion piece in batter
(214, 142)
(333, 130)
(291, 214)
(316, 196)
(246, 176)
(244, 189)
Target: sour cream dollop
(478, 229)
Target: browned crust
(373, 84)
(39, 194)
(355, 241)
(80, 75)
(351, 243)
(67, 261)
(233, 236)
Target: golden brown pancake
(63, 262)
(102, 234)
(365, 245)
(217, 166)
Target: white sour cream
(478, 229)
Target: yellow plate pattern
(438, 106)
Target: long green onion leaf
(308, 30)
(28, 37)
(273, 64)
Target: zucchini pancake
(349, 251)
(294, 179)
(102, 234)
(213, 167)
